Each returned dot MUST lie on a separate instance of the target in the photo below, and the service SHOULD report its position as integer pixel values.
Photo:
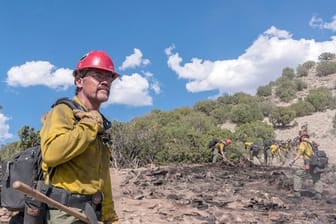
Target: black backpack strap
(107, 124)
(74, 105)
(69, 102)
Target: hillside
(320, 129)
(320, 123)
(220, 193)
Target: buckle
(97, 198)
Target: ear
(79, 81)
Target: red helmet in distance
(228, 142)
(304, 135)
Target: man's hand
(226, 160)
(91, 116)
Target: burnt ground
(216, 194)
(219, 193)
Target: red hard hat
(228, 141)
(304, 135)
(96, 59)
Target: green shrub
(266, 108)
(302, 108)
(300, 85)
(244, 113)
(325, 68)
(282, 116)
(301, 71)
(254, 131)
(326, 56)
(205, 106)
(321, 98)
(288, 73)
(264, 91)
(285, 90)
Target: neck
(88, 103)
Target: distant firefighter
(219, 149)
(254, 150)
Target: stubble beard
(102, 95)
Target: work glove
(92, 116)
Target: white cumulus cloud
(155, 86)
(262, 62)
(317, 22)
(131, 90)
(4, 129)
(134, 60)
(39, 73)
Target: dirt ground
(219, 193)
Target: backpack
(255, 147)
(24, 166)
(267, 144)
(319, 159)
(212, 143)
(314, 146)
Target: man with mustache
(75, 155)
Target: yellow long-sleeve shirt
(80, 157)
(305, 149)
(220, 147)
(274, 148)
(248, 145)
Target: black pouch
(17, 219)
(22, 167)
(35, 211)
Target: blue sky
(170, 53)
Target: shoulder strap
(74, 105)
(312, 149)
(69, 102)
(311, 146)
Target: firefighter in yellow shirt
(305, 151)
(219, 149)
(73, 146)
(254, 150)
(276, 150)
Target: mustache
(104, 87)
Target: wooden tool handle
(18, 185)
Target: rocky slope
(219, 193)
